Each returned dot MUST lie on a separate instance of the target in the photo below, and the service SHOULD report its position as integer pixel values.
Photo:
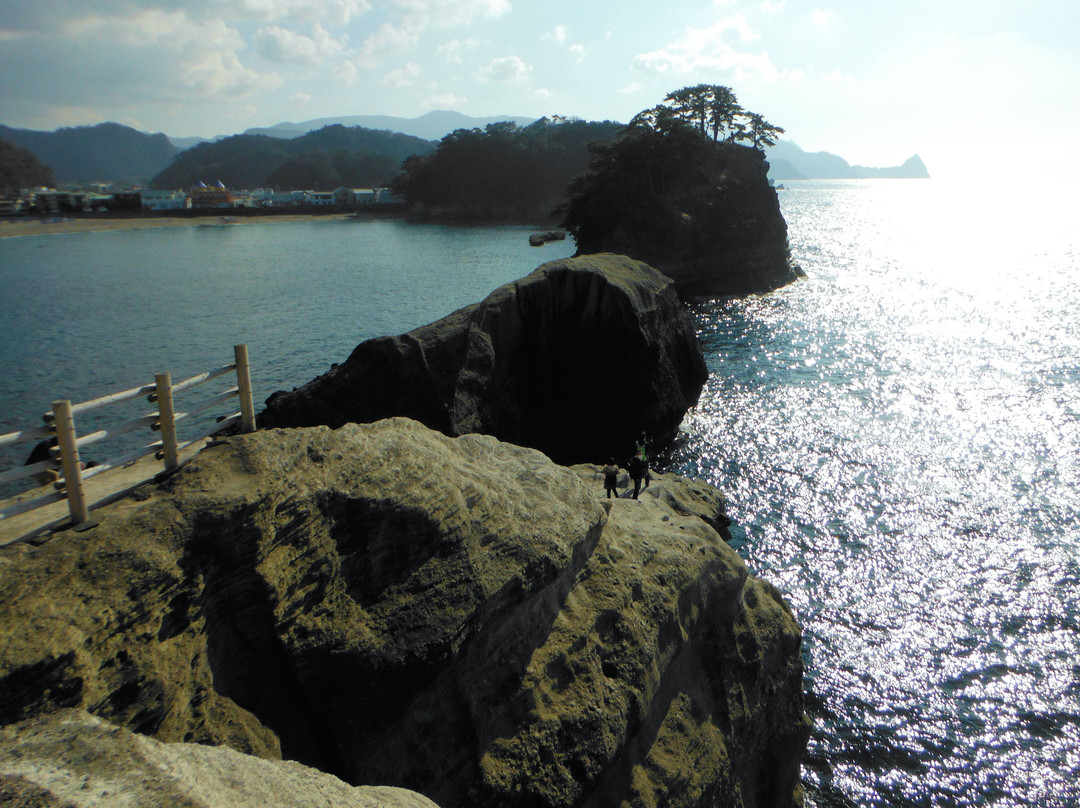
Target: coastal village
(202, 197)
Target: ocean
(898, 435)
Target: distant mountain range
(332, 156)
(111, 152)
(434, 125)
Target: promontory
(431, 607)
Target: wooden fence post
(243, 382)
(69, 460)
(167, 421)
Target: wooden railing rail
(60, 429)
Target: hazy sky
(872, 80)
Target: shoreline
(14, 227)
(64, 225)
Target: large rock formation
(703, 213)
(460, 617)
(576, 359)
(69, 759)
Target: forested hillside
(108, 152)
(502, 171)
(19, 168)
(325, 159)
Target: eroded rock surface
(70, 759)
(684, 495)
(575, 360)
(460, 617)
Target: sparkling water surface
(899, 438)
(898, 435)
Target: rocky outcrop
(460, 617)
(575, 360)
(70, 759)
(703, 213)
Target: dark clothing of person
(642, 448)
(611, 480)
(637, 471)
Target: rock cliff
(69, 758)
(460, 617)
(576, 359)
(702, 213)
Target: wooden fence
(69, 471)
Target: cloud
(710, 49)
(50, 14)
(454, 50)
(332, 12)
(560, 33)
(68, 63)
(505, 69)
(819, 17)
(221, 75)
(65, 62)
(446, 101)
(450, 13)
(299, 99)
(346, 73)
(411, 19)
(390, 39)
(177, 58)
(277, 44)
(403, 77)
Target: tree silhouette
(724, 112)
(692, 105)
(502, 171)
(762, 133)
(709, 109)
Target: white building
(347, 197)
(279, 198)
(385, 197)
(163, 200)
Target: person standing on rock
(611, 479)
(642, 450)
(637, 471)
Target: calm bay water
(898, 435)
(89, 314)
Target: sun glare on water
(898, 435)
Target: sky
(958, 82)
